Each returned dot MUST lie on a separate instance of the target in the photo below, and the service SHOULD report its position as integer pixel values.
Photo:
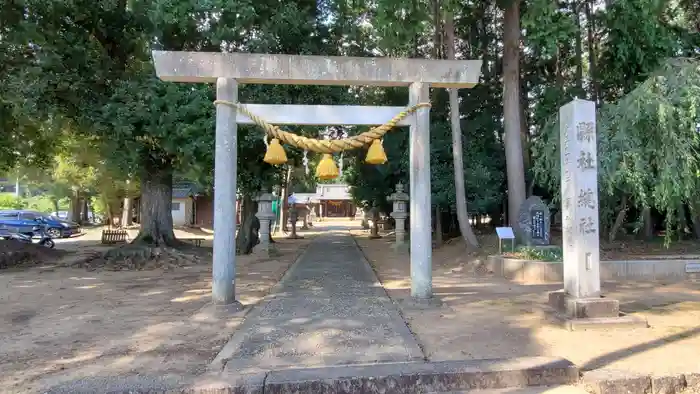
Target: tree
(457, 149)
(511, 109)
(647, 147)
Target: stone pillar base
(586, 313)
(374, 236)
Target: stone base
(588, 313)
(583, 308)
(377, 236)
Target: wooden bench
(110, 237)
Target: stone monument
(265, 215)
(580, 301)
(399, 214)
(534, 222)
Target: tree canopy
(81, 107)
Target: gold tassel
(275, 153)
(326, 168)
(376, 154)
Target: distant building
(330, 200)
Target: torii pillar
(228, 70)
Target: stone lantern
(265, 215)
(374, 217)
(400, 213)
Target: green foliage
(554, 254)
(648, 144)
(10, 201)
(81, 109)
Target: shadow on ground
(486, 317)
(60, 324)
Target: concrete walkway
(328, 309)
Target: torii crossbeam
(230, 69)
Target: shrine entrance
(227, 70)
(338, 208)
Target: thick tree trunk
(619, 220)
(156, 205)
(511, 110)
(248, 234)
(457, 159)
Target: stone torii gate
(228, 70)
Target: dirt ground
(487, 317)
(58, 324)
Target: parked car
(22, 221)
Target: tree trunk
(578, 79)
(437, 36)
(248, 234)
(108, 210)
(84, 217)
(126, 211)
(54, 201)
(284, 207)
(619, 220)
(74, 211)
(438, 227)
(648, 224)
(458, 161)
(156, 204)
(511, 110)
(592, 68)
(695, 212)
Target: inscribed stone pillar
(420, 215)
(579, 190)
(224, 259)
(265, 215)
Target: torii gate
(230, 69)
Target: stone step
(528, 390)
(418, 377)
